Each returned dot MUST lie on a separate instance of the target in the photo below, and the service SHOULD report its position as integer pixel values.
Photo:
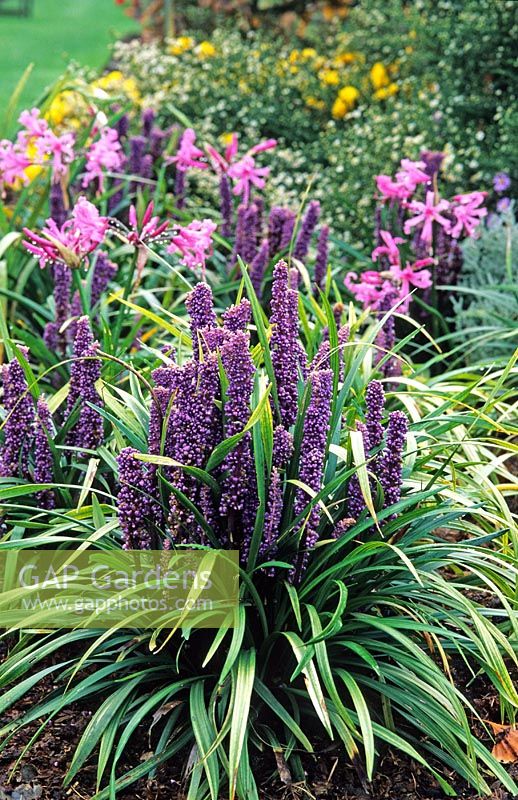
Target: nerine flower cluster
(413, 219)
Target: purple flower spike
(272, 519)
(312, 457)
(225, 194)
(43, 461)
(246, 233)
(104, 272)
(287, 229)
(54, 339)
(200, 306)
(122, 126)
(237, 318)
(57, 204)
(390, 463)
(84, 373)
(156, 142)
(282, 446)
(137, 146)
(386, 338)
(18, 424)
(322, 257)
(284, 344)
(375, 402)
(134, 501)
(238, 464)
(179, 188)
(257, 268)
(193, 430)
(148, 118)
(433, 162)
(309, 224)
(275, 227)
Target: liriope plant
(272, 433)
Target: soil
(39, 774)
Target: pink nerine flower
(411, 275)
(389, 249)
(365, 287)
(13, 162)
(467, 213)
(103, 154)
(194, 242)
(70, 244)
(222, 162)
(426, 214)
(150, 228)
(246, 175)
(412, 173)
(371, 287)
(392, 190)
(59, 148)
(34, 125)
(188, 154)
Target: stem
(81, 289)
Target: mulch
(40, 771)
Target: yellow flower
(330, 77)
(412, 34)
(180, 45)
(339, 109)
(409, 49)
(379, 75)
(114, 82)
(293, 56)
(345, 58)
(60, 108)
(206, 50)
(130, 88)
(308, 53)
(349, 96)
(294, 69)
(386, 91)
(314, 102)
(226, 139)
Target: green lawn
(58, 30)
